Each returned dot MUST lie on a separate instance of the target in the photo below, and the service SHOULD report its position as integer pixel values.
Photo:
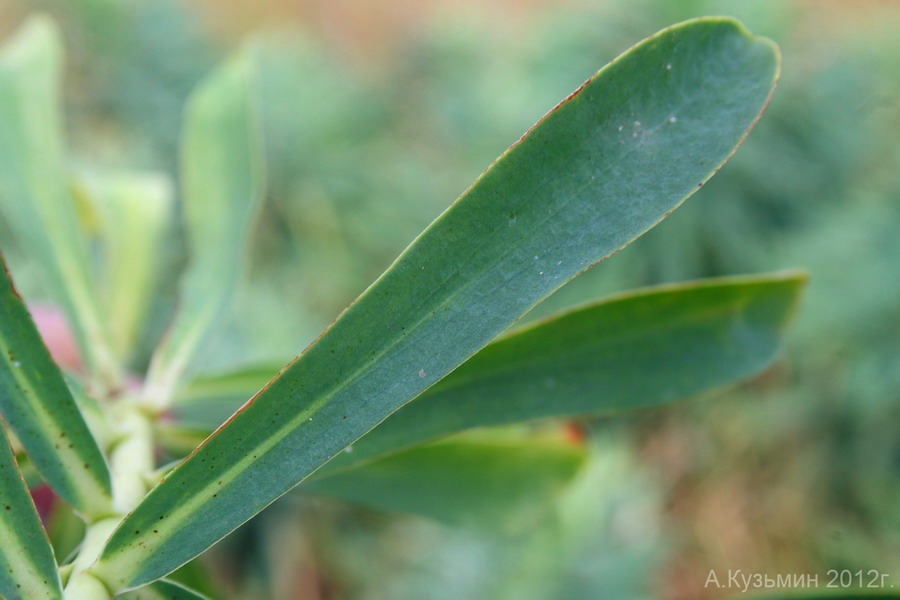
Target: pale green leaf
(221, 169)
(133, 211)
(34, 196)
(604, 166)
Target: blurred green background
(377, 115)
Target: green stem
(130, 462)
(82, 584)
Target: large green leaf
(34, 196)
(633, 350)
(221, 164)
(492, 481)
(39, 407)
(600, 169)
(27, 565)
(163, 590)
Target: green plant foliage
(34, 194)
(132, 212)
(37, 405)
(633, 350)
(361, 414)
(604, 166)
(222, 188)
(494, 482)
(27, 565)
(163, 590)
(206, 401)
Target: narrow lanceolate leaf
(133, 212)
(27, 566)
(39, 407)
(34, 197)
(633, 350)
(601, 168)
(488, 481)
(221, 162)
(164, 590)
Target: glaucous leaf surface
(605, 165)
